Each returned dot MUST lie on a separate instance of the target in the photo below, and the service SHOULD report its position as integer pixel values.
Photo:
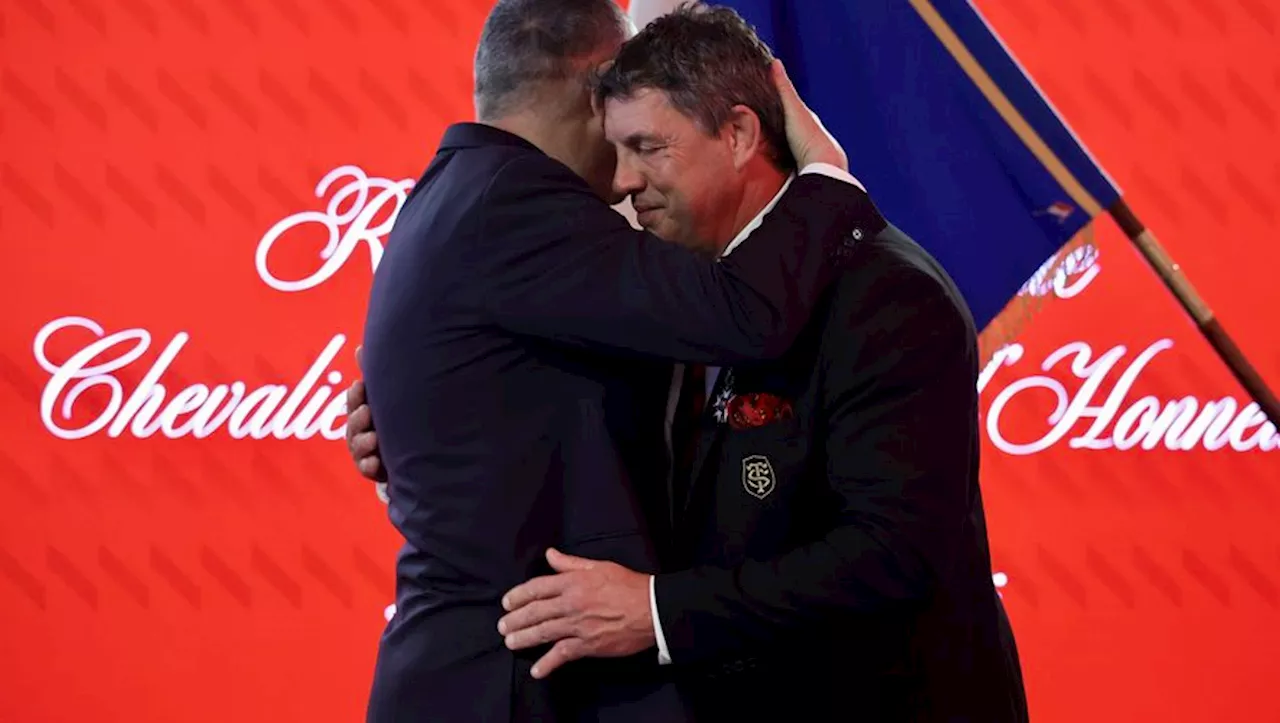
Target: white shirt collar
(755, 222)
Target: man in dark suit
(510, 354)
(831, 530)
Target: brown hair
(706, 59)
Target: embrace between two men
(724, 468)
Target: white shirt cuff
(830, 171)
(664, 655)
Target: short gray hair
(706, 59)
(528, 42)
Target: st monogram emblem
(757, 476)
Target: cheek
(676, 221)
(695, 180)
(671, 182)
(683, 182)
(671, 227)
(690, 196)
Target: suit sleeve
(559, 264)
(900, 428)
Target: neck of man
(555, 119)
(556, 139)
(762, 184)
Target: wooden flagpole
(1176, 281)
(1142, 237)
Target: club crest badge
(758, 478)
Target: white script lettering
(273, 410)
(1065, 276)
(346, 227)
(1180, 425)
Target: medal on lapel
(724, 392)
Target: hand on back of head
(809, 140)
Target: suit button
(856, 234)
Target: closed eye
(643, 145)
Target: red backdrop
(180, 541)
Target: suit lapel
(710, 431)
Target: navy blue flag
(953, 140)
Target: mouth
(646, 212)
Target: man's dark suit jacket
(511, 358)
(849, 577)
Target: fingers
(565, 651)
(796, 114)
(362, 443)
(360, 420)
(360, 358)
(809, 140)
(539, 588)
(540, 634)
(531, 615)
(791, 101)
(370, 467)
(355, 403)
(561, 562)
(355, 395)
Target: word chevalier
(198, 410)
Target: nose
(626, 179)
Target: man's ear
(745, 136)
